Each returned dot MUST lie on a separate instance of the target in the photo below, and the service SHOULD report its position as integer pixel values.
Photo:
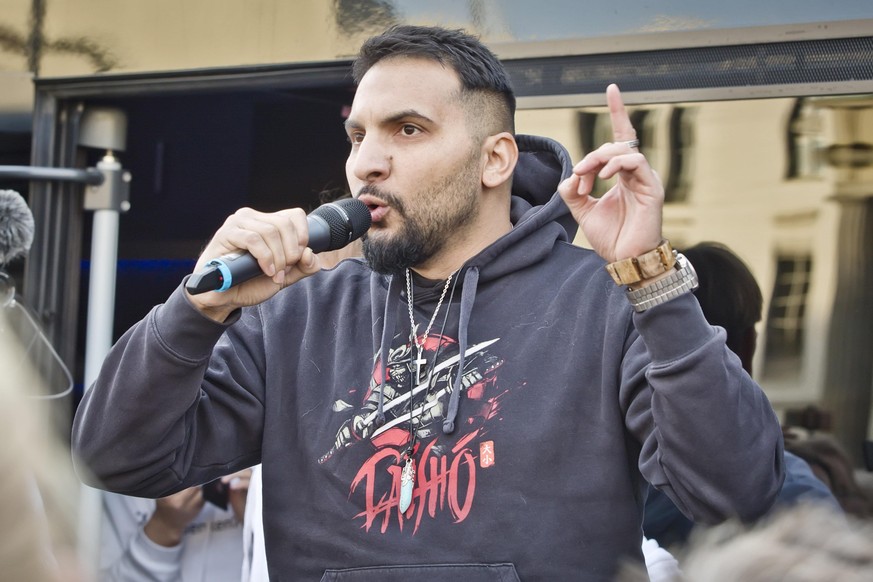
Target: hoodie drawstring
(468, 297)
(390, 318)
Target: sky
(527, 20)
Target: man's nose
(371, 161)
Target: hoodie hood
(542, 165)
(538, 214)
(540, 220)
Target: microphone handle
(232, 269)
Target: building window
(805, 141)
(681, 135)
(785, 319)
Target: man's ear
(501, 155)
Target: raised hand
(626, 220)
(172, 515)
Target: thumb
(310, 262)
(569, 188)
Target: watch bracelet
(645, 266)
(681, 281)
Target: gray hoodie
(548, 406)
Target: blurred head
(805, 543)
(38, 492)
(728, 295)
(831, 464)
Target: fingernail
(308, 258)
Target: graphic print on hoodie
(445, 473)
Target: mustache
(387, 197)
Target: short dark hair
(728, 293)
(479, 70)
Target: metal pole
(101, 308)
(104, 257)
(107, 200)
(89, 176)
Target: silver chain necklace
(420, 362)
(407, 475)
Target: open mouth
(378, 209)
(377, 212)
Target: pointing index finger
(622, 130)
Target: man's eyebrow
(405, 115)
(350, 124)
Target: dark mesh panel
(783, 63)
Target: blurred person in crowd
(832, 465)
(38, 491)
(803, 543)
(730, 298)
(193, 535)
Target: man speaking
(476, 398)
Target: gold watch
(681, 281)
(651, 264)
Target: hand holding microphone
(277, 239)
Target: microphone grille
(348, 220)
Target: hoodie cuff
(184, 330)
(159, 561)
(673, 329)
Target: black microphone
(331, 226)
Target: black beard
(422, 236)
(395, 256)
(411, 246)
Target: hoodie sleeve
(159, 417)
(710, 438)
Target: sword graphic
(423, 386)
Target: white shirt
(211, 549)
(254, 554)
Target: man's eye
(409, 130)
(356, 137)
